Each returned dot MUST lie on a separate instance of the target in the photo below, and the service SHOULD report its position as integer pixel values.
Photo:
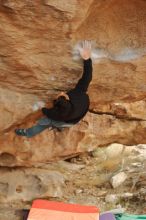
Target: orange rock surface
(36, 43)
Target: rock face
(36, 41)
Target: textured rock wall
(105, 178)
(36, 41)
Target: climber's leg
(42, 124)
(44, 121)
(60, 125)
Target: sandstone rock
(63, 6)
(78, 191)
(110, 151)
(93, 131)
(114, 150)
(126, 195)
(36, 62)
(118, 179)
(37, 39)
(26, 185)
(112, 198)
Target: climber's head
(63, 104)
(63, 94)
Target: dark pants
(45, 123)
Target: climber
(68, 108)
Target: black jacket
(78, 98)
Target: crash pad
(43, 210)
(130, 217)
(107, 216)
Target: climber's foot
(21, 132)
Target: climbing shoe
(21, 132)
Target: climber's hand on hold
(85, 50)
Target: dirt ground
(88, 181)
(91, 185)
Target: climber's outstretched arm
(86, 78)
